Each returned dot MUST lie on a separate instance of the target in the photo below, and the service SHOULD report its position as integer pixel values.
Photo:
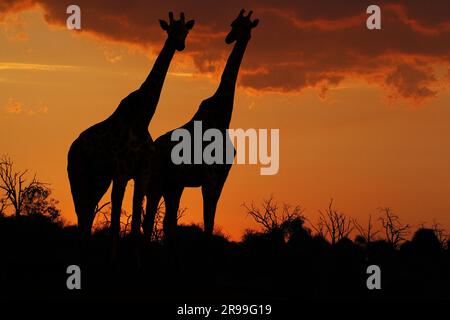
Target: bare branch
(394, 230)
(125, 226)
(368, 234)
(157, 232)
(16, 189)
(440, 233)
(333, 224)
(101, 207)
(181, 212)
(269, 217)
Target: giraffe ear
(164, 25)
(255, 23)
(190, 24)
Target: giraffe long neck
(155, 79)
(219, 107)
(153, 84)
(227, 84)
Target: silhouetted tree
(366, 234)
(441, 234)
(102, 214)
(100, 207)
(14, 184)
(25, 197)
(103, 219)
(158, 233)
(394, 230)
(36, 200)
(271, 218)
(425, 242)
(334, 224)
(295, 231)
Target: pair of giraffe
(120, 148)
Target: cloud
(411, 81)
(112, 57)
(298, 44)
(11, 6)
(16, 107)
(182, 74)
(13, 28)
(36, 67)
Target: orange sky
(363, 117)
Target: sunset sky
(364, 116)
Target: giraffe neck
(227, 84)
(155, 79)
(219, 107)
(152, 86)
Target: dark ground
(35, 253)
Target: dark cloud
(411, 81)
(298, 44)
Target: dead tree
(158, 232)
(102, 216)
(15, 186)
(333, 224)
(441, 234)
(270, 217)
(103, 219)
(366, 233)
(394, 230)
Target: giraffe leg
(98, 187)
(87, 192)
(211, 193)
(138, 198)
(80, 193)
(117, 195)
(85, 212)
(172, 202)
(153, 199)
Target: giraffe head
(241, 27)
(177, 30)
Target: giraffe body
(119, 148)
(114, 150)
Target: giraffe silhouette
(214, 112)
(118, 148)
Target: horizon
(365, 125)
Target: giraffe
(117, 148)
(214, 112)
